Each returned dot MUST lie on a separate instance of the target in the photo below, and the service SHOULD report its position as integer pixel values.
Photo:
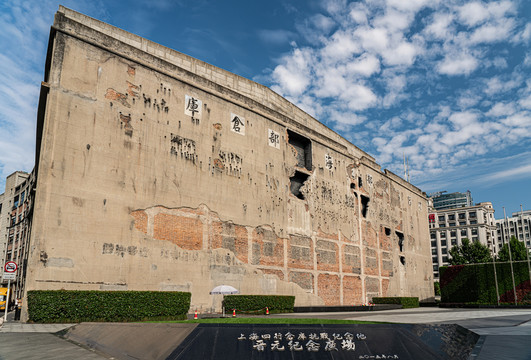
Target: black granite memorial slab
(378, 341)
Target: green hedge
(256, 303)
(406, 302)
(475, 283)
(53, 306)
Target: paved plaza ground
(504, 333)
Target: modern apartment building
(15, 224)
(442, 201)
(449, 227)
(517, 225)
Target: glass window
(472, 214)
(443, 242)
(441, 218)
(462, 216)
(453, 233)
(443, 235)
(432, 235)
(474, 231)
(463, 232)
(462, 223)
(451, 217)
(473, 222)
(442, 225)
(451, 224)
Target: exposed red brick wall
(371, 262)
(278, 273)
(268, 249)
(385, 287)
(369, 234)
(386, 264)
(327, 255)
(185, 232)
(303, 279)
(385, 240)
(351, 259)
(328, 286)
(372, 285)
(352, 291)
(141, 220)
(225, 235)
(300, 252)
(323, 235)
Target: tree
(469, 253)
(518, 250)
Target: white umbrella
(224, 290)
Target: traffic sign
(9, 276)
(10, 267)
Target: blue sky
(447, 83)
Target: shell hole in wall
(303, 146)
(400, 240)
(296, 182)
(364, 205)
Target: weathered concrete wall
(156, 175)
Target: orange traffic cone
(233, 312)
(267, 310)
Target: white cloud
(473, 13)
(365, 65)
(501, 109)
(293, 75)
(440, 26)
(458, 64)
(403, 54)
(492, 33)
(359, 97)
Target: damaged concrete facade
(157, 171)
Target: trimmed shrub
(53, 306)
(475, 283)
(256, 303)
(406, 302)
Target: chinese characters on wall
(237, 124)
(193, 107)
(273, 138)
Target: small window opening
(364, 205)
(296, 182)
(387, 231)
(360, 182)
(353, 186)
(303, 146)
(403, 260)
(400, 240)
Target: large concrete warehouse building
(157, 171)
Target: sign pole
(7, 299)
